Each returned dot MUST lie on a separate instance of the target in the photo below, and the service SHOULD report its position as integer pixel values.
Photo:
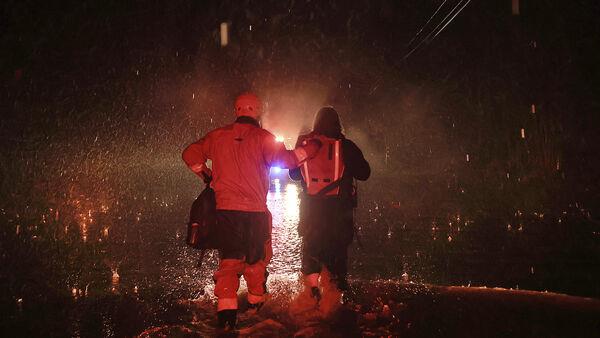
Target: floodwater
(125, 270)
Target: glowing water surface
(284, 269)
(128, 254)
(283, 203)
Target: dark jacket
(329, 220)
(356, 167)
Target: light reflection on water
(135, 248)
(179, 272)
(161, 253)
(283, 201)
(142, 238)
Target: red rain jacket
(242, 154)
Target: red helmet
(248, 104)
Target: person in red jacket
(242, 154)
(326, 206)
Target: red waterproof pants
(244, 250)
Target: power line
(425, 39)
(445, 21)
(460, 10)
(426, 23)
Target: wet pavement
(391, 308)
(106, 267)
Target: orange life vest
(325, 168)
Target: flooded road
(283, 201)
(120, 266)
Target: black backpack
(201, 227)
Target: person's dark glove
(206, 177)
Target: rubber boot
(315, 293)
(303, 308)
(331, 299)
(253, 308)
(227, 320)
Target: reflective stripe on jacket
(355, 165)
(325, 169)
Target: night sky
(134, 71)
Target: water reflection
(283, 201)
(115, 279)
(124, 246)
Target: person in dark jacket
(326, 209)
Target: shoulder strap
(329, 187)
